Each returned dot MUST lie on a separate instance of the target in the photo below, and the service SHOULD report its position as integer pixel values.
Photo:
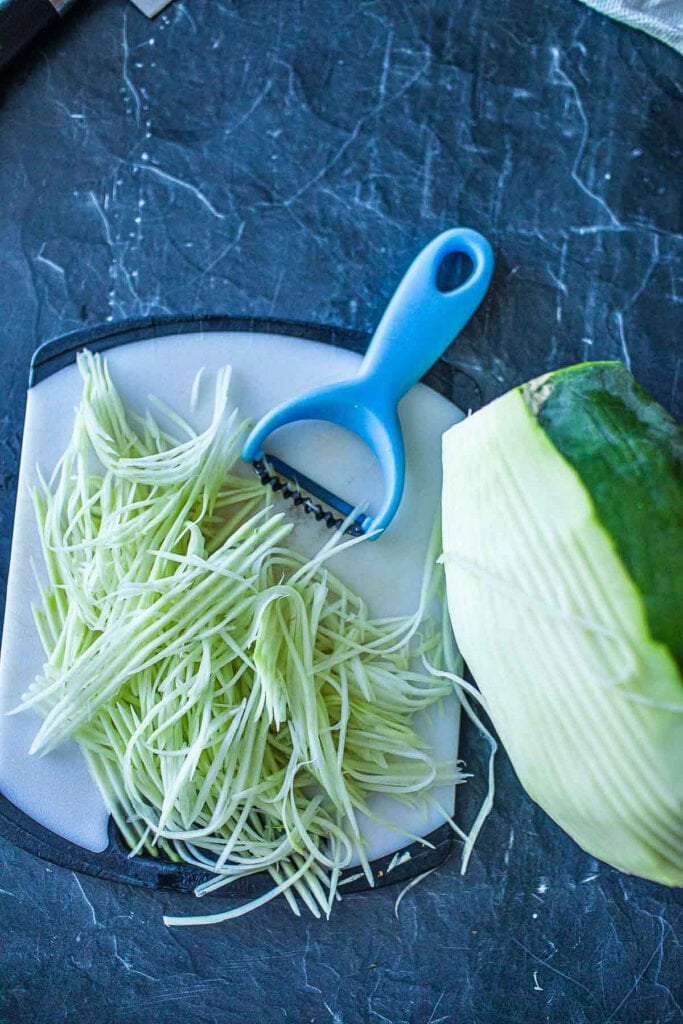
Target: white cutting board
(56, 790)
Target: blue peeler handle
(419, 323)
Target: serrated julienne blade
(151, 7)
(292, 484)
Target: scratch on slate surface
(85, 898)
(550, 967)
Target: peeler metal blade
(291, 484)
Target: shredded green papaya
(238, 706)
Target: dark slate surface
(290, 158)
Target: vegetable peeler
(420, 322)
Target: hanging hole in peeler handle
(455, 269)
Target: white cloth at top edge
(661, 18)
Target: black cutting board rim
(114, 863)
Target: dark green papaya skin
(628, 452)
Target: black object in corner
(21, 21)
